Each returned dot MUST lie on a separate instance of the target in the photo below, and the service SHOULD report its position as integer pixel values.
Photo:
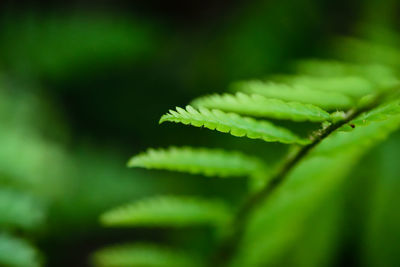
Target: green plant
(356, 106)
(24, 191)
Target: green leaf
(363, 137)
(16, 252)
(380, 113)
(362, 51)
(320, 239)
(260, 106)
(209, 162)
(19, 210)
(170, 211)
(381, 231)
(307, 190)
(353, 86)
(132, 255)
(379, 75)
(324, 99)
(234, 124)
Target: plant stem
(228, 248)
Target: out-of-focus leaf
(15, 252)
(57, 46)
(361, 51)
(380, 240)
(131, 255)
(354, 86)
(324, 99)
(19, 210)
(168, 211)
(210, 162)
(380, 75)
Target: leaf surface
(171, 211)
(260, 106)
(323, 99)
(130, 255)
(234, 124)
(209, 162)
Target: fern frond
(363, 136)
(308, 188)
(353, 86)
(209, 162)
(16, 252)
(18, 210)
(362, 51)
(379, 75)
(385, 120)
(260, 106)
(234, 124)
(170, 211)
(131, 255)
(380, 113)
(324, 99)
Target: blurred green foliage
(80, 91)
